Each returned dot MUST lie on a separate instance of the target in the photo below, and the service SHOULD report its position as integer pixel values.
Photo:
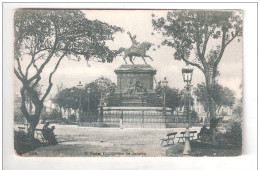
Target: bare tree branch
(41, 50)
(46, 61)
(35, 66)
(23, 106)
(29, 65)
(18, 75)
(207, 35)
(223, 46)
(206, 27)
(232, 38)
(50, 77)
(19, 67)
(36, 82)
(191, 63)
(201, 57)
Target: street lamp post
(88, 91)
(187, 77)
(80, 87)
(101, 86)
(164, 84)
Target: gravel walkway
(90, 141)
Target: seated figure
(204, 133)
(48, 134)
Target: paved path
(92, 141)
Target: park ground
(75, 141)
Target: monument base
(135, 102)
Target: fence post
(121, 119)
(177, 117)
(142, 118)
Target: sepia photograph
(128, 83)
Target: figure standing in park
(158, 89)
(121, 122)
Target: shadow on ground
(200, 149)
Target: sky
(138, 22)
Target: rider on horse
(136, 50)
(133, 39)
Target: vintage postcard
(127, 83)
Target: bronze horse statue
(138, 51)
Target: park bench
(43, 137)
(40, 136)
(21, 129)
(192, 135)
(170, 136)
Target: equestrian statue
(136, 50)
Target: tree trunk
(211, 108)
(33, 120)
(31, 129)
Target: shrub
(230, 131)
(64, 121)
(72, 117)
(23, 144)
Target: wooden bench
(21, 129)
(192, 135)
(170, 136)
(40, 136)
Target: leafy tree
(54, 115)
(72, 117)
(48, 36)
(192, 33)
(172, 98)
(69, 97)
(223, 96)
(238, 108)
(194, 116)
(175, 98)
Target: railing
(134, 118)
(88, 118)
(137, 118)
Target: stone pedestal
(135, 101)
(128, 74)
(135, 87)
